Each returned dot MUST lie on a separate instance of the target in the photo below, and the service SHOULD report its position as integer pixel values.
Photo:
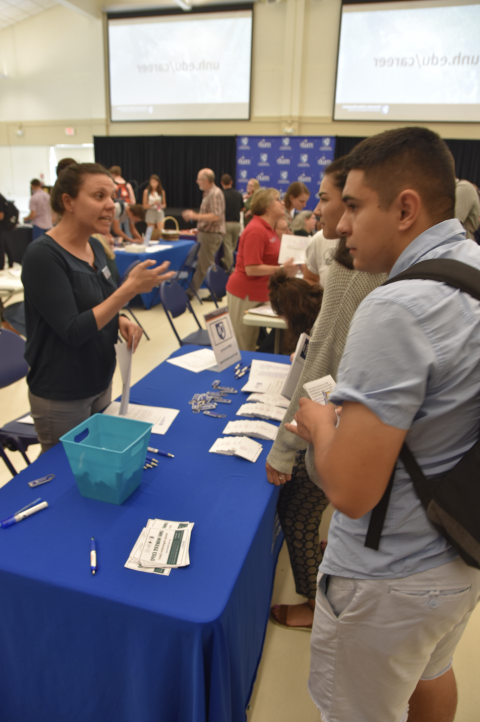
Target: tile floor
(280, 693)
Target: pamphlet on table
(266, 377)
(270, 399)
(262, 411)
(238, 446)
(162, 545)
(265, 310)
(160, 418)
(255, 429)
(196, 361)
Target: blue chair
(216, 281)
(175, 302)
(188, 268)
(14, 436)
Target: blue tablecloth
(173, 251)
(125, 646)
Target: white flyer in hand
(297, 366)
(124, 356)
(293, 247)
(266, 377)
(222, 337)
(320, 389)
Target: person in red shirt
(257, 260)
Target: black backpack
(12, 214)
(452, 499)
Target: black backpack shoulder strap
(445, 270)
(467, 279)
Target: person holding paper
(302, 503)
(298, 302)
(257, 260)
(296, 198)
(72, 305)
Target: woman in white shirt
(154, 201)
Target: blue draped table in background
(173, 251)
(125, 646)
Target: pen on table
(23, 514)
(160, 453)
(93, 556)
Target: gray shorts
(154, 216)
(373, 640)
(53, 419)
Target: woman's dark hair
(64, 163)
(70, 181)
(293, 191)
(160, 187)
(298, 302)
(338, 173)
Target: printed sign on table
(277, 161)
(222, 338)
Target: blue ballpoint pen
(93, 556)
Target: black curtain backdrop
(176, 159)
(465, 152)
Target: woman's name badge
(106, 272)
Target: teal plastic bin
(106, 455)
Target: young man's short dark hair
(226, 179)
(415, 158)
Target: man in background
(40, 211)
(210, 224)
(233, 206)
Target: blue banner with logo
(276, 161)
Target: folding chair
(175, 302)
(216, 281)
(188, 268)
(14, 436)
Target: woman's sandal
(278, 615)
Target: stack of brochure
(262, 411)
(162, 546)
(238, 446)
(270, 399)
(257, 429)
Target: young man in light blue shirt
(387, 622)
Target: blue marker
(93, 556)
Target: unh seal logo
(326, 142)
(304, 160)
(221, 331)
(244, 141)
(243, 174)
(284, 176)
(286, 144)
(264, 159)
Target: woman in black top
(72, 305)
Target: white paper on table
(156, 248)
(158, 416)
(26, 420)
(124, 356)
(297, 366)
(222, 338)
(266, 377)
(265, 310)
(320, 389)
(166, 544)
(262, 411)
(270, 399)
(133, 560)
(238, 446)
(255, 429)
(195, 361)
(293, 247)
